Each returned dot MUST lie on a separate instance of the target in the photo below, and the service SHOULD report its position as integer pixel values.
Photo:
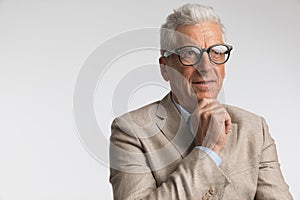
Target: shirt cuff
(215, 157)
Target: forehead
(203, 35)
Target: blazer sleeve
(131, 176)
(270, 184)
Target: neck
(188, 108)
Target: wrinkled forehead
(181, 39)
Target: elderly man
(188, 145)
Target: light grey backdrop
(44, 44)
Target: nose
(204, 65)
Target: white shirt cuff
(215, 157)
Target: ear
(163, 68)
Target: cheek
(176, 69)
(178, 72)
(188, 72)
(221, 70)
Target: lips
(203, 82)
(204, 86)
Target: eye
(189, 52)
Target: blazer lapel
(173, 126)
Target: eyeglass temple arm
(167, 53)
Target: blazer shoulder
(141, 114)
(138, 119)
(250, 124)
(239, 115)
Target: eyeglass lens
(190, 55)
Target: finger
(215, 132)
(223, 117)
(206, 102)
(217, 110)
(208, 106)
(227, 123)
(204, 116)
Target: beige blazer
(153, 157)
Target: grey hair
(188, 14)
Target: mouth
(204, 86)
(203, 82)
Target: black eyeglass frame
(177, 52)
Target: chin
(206, 95)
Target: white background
(43, 44)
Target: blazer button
(212, 190)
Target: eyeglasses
(191, 55)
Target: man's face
(203, 80)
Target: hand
(211, 123)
